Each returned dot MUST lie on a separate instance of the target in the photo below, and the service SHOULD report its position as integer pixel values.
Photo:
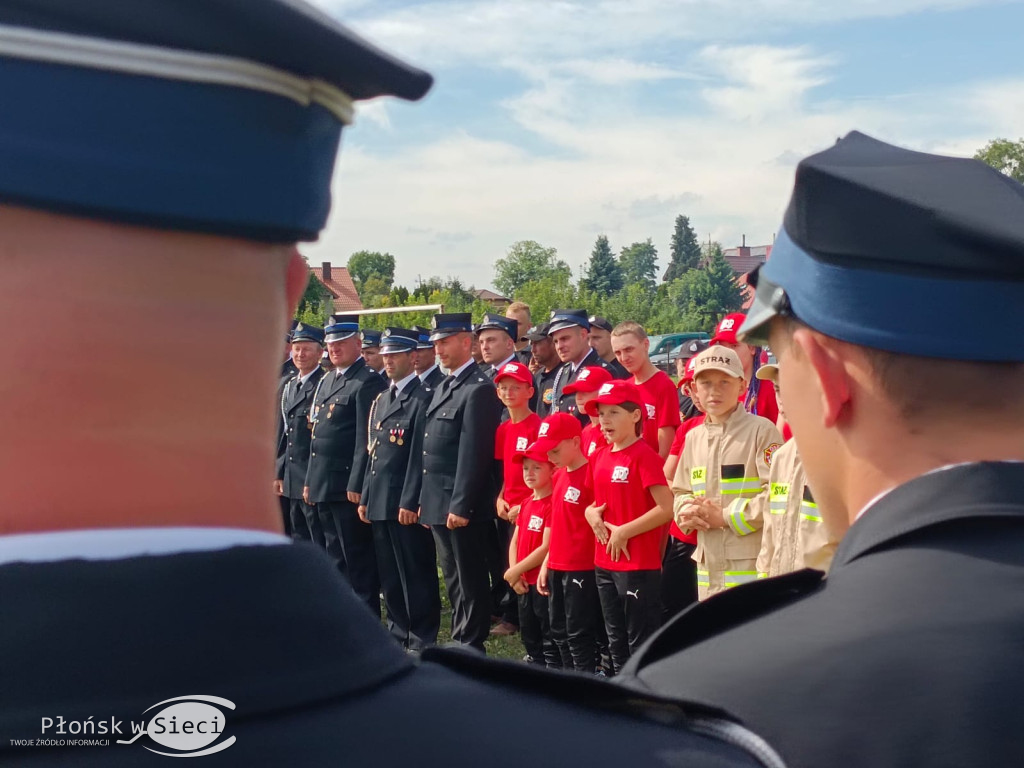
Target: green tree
(315, 304)
(551, 292)
(604, 274)
(639, 263)
(1005, 156)
(527, 261)
(365, 265)
(726, 295)
(685, 250)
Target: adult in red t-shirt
(632, 350)
(630, 515)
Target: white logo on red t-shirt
(521, 443)
(536, 523)
(620, 475)
(572, 495)
(650, 411)
(592, 448)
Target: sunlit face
(544, 353)
(306, 355)
(495, 346)
(373, 357)
(601, 342)
(454, 351)
(630, 351)
(514, 394)
(522, 317)
(536, 474)
(690, 390)
(570, 343)
(398, 365)
(565, 453)
(582, 398)
(344, 353)
(718, 391)
(423, 359)
(617, 423)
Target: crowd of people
(571, 491)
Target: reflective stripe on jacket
(729, 463)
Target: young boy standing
(630, 514)
(724, 467)
(585, 388)
(567, 574)
(527, 551)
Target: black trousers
(631, 604)
(462, 555)
(407, 564)
(349, 543)
(305, 522)
(576, 619)
(503, 599)
(535, 629)
(678, 578)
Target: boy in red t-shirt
(527, 551)
(567, 574)
(514, 384)
(591, 379)
(630, 516)
(660, 399)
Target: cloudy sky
(559, 120)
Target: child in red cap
(585, 388)
(630, 515)
(527, 551)
(567, 574)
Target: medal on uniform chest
(401, 435)
(393, 438)
(330, 410)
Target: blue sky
(560, 120)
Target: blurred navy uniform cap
(500, 323)
(305, 332)
(424, 337)
(567, 318)
(370, 339)
(342, 327)
(444, 325)
(219, 116)
(902, 251)
(395, 340)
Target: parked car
(667, 347)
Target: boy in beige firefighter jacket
(721, 483)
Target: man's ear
(296, 279)
(829, 370)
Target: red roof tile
(342, 289)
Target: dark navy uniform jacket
(908, 654)
(137, 631)
(341, 408)
(392, 481)
(563, 403)
(295, 432)
(433, 380)
(455, 454)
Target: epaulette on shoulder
(729, 609)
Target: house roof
(343, 290)
(743, 260)
(485, 295)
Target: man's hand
(513, 513)
(502, 507)
(278, 488)
(362, 514)
(454, 521)
(305, 494)
(353, 496)
(595, 517)
(616, 546)
(408, 517)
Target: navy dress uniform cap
(537, 332)
(500, 323)
(370, 338)
(566, 318)
(897, 250)
(175, 103)
(449, 324)
(424, 337)
(341, 327)
(395, 340)
(305, 332)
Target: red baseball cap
(617, 392)
(726, 330)
(556, 428)
(590, 379)
(691, 365)
(535, 452)
(517, 371)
